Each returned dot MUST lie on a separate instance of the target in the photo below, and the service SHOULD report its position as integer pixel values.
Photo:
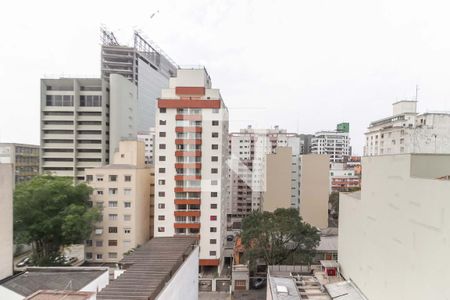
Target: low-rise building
(6, 220)
(394, 233)
(24, 157)
(123, 190)
(69, 279)
(165, 268)
(343, 178)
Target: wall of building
(395, 234)
(98, 284)
(278, 180)
(184, 284)
(314, 188)
(6, 220)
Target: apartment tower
(334, 143)
(190, 163)
(24, 157)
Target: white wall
(7, 294)
(394, 241)
(98, 284)
(6, 220)
(184, 284)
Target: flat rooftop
(149, 268)
(52, 278)
(58, 295)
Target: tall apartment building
(74, 126)
(148, 137)
(334, 143)
(394, 233)
(407, 131)
(190, 165)
(25, 160)
(124, 191)
(6, 219)
(248, 149)
(83, 120)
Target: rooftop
(149, 268)
(58, 295)
(52, 278)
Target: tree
(278, 237)
(51, 212)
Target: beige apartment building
(314, 188)
(124, 192)
(278, 180)
(6, 220)
(25, 160)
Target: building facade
(394, 233)
(148, 137)
(247, 167)
(314, 188)
(124, 192)
(334, 143)
(6, 219)
(25, 160)
(190, 163)
(407, 131)
(344, 178)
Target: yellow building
(124, 191)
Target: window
(112, 191)
(98, 243)
(162, 122)
(161, 218)
(127, 217)
(112, 255)
(161, 182)
(214, 206)
(127, 192)
(212, 253)
(59, 100)
(214, 147)
(161, 229)
(112, 178)
(89, 178)
(214, 170)
(213, 194)
(162, 134)
(112, 242)
(112, 217)
(161, 194)
(213, 218)
(215, 134)
(162, 110)
(99, 178)
(162, 146)
(214, 158)
(112, 229)
(90, 100)
(127, 204)
(99, 256)
(215, 123)
(88, 255)
(112, 204)
(161, 205)
(162, 170)
(162, 158)
(98, 231)
(212, 229)
(99, 192)
(127, 178)
(213, 241)
(89, 243)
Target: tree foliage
(278, 237)
(51, 212)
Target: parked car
(259, 283)
(24, 262)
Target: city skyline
(250, 60)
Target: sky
(304, 65)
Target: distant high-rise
(148, 137)
(83, 120)
(334, 143)
(190, 165)
(24, 157)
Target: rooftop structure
(34, 279)
(159, 269)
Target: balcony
(195, 201)
(195, 117)
(188, 153)
(188, 141)
(188, 165)
(195, 225)
(187, 213)
(196, 129)
(188, 177)
(187, 189)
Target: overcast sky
(302, 65)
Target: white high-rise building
(334, 143)
(406, 131)
(190, 163)
(148, 137)
(248, 149)
(83, 120)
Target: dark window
(112, 242)
(214, 146)
(161, 218)
(112, 229)
(162, 158)
(214, 206)
(162, 146)
(215, 134)
(161, 194)
(214, 158)
(214, 170)
(162, 134)
(215, 123)
(213, 218)
(212, 229)
(162, 122)
(162, 110)
(213, 241)
(162, 170)
(213, 194)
